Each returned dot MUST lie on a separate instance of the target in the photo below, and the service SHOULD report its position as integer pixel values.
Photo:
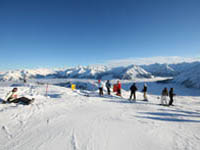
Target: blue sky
(57, 33)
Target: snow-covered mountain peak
(134, 71)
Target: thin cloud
(151, 60)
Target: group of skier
(108, 87)
(133, 90)
(165, 94)
(117, 89)
(12, 96)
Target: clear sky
(57, 33)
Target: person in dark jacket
(145, 91)
(133, 89)
(108, 86)
(171, 96)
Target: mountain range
(187, 73)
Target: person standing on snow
(119, 88)
(133, 89)
(164, 96)
(145, 92)
(108, 86)
(100, 85)
(12, 98)
(171, 96)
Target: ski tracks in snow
(7, 132)
(74, 141)
(184, 139)
(75, 122)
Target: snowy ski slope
(67, 119)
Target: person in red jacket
(119, 88)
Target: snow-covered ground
(70, 120)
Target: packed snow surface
(70, 120)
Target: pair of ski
(167, 105)
(145, 100)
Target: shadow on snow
(171, 117)
(54, 95)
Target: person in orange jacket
(119, 88)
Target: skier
(108, 86)
(164, 96)
(12, 98)
(100, 88)
(133, 89)
(171, 96)
(145, 92)
(24, 79)
(119, 88)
